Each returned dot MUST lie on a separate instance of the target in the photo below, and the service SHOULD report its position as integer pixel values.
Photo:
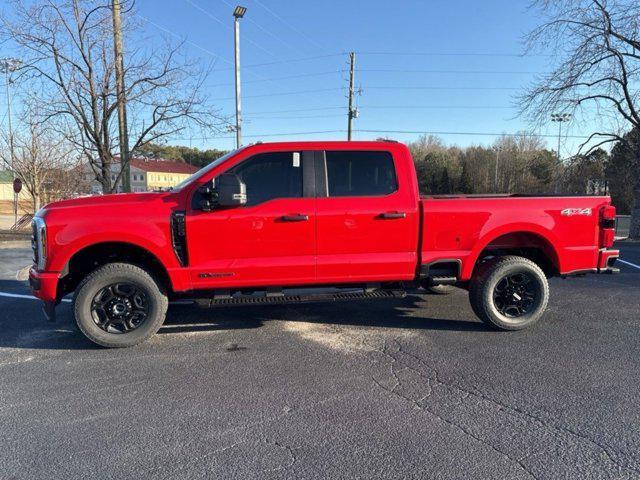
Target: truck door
(367, 217)
(268, 241)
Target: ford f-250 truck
(267, 222)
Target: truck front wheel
(119, 305)
(509, 293)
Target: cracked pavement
(415, 388)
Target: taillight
(607, 225)
(608, 217)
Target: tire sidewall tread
(113, 273)
(488, 275)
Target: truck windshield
(205, 169)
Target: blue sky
(427, 66)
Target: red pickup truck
(274, 223)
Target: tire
(119, 305)
(509, 293)
(439, 289)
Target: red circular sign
(17, 185)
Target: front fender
(70, 239)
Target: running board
(269, 298)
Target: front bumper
(44, 286)
(607, 260)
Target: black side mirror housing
(230, 190)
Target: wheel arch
(534, 243)
(95, 255)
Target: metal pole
(11, 147)
(352, 59)
(495, 181)
(559, 136)
(121, 97)
(236, 43)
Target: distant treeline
(524, 165)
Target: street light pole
(8, 65)
(560, 118)
(238, 13)
(495, 180)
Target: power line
(215, 55)
(272, 79)
(418, 132)
(293, 60)
(258, 117)
(281, 94)
(490, 72)
(396, 87)
(488, 134)
(224, 24)
(444, 107)
(390, 107)
(300, 110)
(268, 32)
(299, 32)
(454, 54)
(317, 132)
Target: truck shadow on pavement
(399, 313)
(24, 326)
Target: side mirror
(230, 190)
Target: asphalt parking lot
(416, 388)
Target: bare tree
(597, 43)
(67, 50)
(39, 158)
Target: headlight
(39, 242)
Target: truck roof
(328, 143)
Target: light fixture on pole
(560, 118)
(238, 13)
(7, 66)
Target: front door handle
(392, 215)
(295, 218)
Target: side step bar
(268, 298)
(443, 280)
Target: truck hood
(115, 200)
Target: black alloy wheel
(119, 305)
(119, 308)
(509, 293)
(515, 295)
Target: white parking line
(629, 263)
(28, 297)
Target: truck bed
(460, 228)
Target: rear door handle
(392, 215)
(295, 218)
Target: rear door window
(360, 174)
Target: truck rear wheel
(509, 293)
(119, 305)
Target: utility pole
(121, 97)
(8, 65)
(351, 113)
(238, 13)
